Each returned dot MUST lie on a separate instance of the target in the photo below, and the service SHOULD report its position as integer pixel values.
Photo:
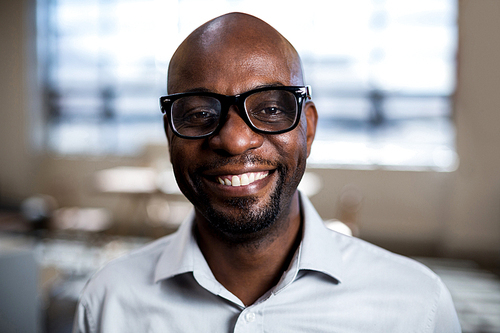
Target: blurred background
(406, 155)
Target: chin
(240, 219)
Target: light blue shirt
(335, 283)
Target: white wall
(456, 214)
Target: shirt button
(250, 316)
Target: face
(268, 168)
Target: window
(382, 72)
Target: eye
(270, 111)
(199, 116)
(195, 115)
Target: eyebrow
(268, 85)
(198, 90)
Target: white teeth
(243, 179)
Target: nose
(235, 137)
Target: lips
(243, 179)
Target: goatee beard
(252, 220)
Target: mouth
(243, 179)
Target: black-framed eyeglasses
(271, 110)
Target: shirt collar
(178, 256)
(318, 251)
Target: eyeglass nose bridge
(239, 102)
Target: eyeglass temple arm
(308, 92)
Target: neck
(250, 268)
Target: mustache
(222, 161)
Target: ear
(312, 121)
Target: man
(255, 256)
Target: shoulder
(124, 288)
(381, 273)
(136, 268)
(397, 282)
(377, 262)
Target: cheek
(298, 139)
(180, 153)
(293, 147)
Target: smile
(243, 179)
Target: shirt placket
(250, 320)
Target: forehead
(232, 74)
(233, 63)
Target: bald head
(233, 45)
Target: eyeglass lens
(269, 111)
